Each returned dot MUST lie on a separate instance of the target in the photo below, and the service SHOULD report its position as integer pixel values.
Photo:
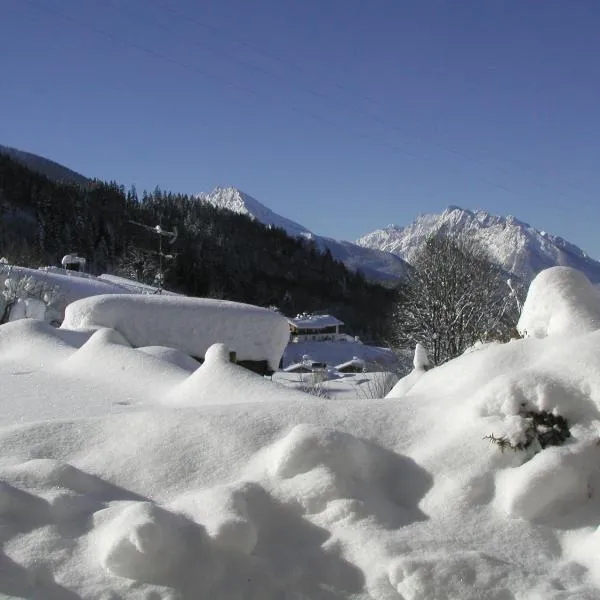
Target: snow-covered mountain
(373, 262)
(45, 166)
(515, 246)
(235, 200)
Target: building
(306, 327)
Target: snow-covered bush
(540, 429)
(22, 296)
(378, 385)
(312, 383)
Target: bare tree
(454, 297)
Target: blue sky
(344, 115)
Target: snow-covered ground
(132, 473)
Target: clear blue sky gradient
(344, 115)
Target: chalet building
(306, 327)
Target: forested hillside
(217, 253)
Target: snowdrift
(247, 490)
(560, 301)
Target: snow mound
(114, 358)
(140, 540)
(421, 364)
(188, 324)
(465, 575)
(173, 356)
(219, 381)
(316, 466)
(224, 513)
(31, 338)
(553, 482)
(560, 301)
(421, 360)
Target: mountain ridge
(385, 254)
(513, 244)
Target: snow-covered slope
(515, 246)
(45, 166)
(374, 263)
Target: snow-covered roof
(305, 365)
(189, 324)
(355, 362)
(306, 321)
(338, 352)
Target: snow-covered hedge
(189, 324)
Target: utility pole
(161, 233)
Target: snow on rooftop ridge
(514, 245)
(306, 320)
(188, 324)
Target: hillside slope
(49, 168)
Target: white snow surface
(373, 263)
(127, 475)
(516, 246)
(188, 324)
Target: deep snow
(130, 473)
(188, 324)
